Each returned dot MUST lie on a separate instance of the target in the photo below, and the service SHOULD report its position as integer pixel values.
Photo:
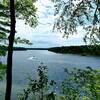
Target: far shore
(22, 48)
(81, 50)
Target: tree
(37, 89)
(25, 9)
(10, 51)
(69, 15)
(81, 84)
(73, 13)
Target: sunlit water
(25, 64)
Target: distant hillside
(82, 50)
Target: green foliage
(81, 84)
(2, 66)
(2, 70)
(23, 41)
(4, 22)
(2, 50)
(82, 50)
(38, 88)
(25, 9)
(73, 13)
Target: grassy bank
(82, 50)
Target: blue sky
(42, 35)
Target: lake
(25, 64)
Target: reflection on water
(25, 63)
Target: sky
(43, 35)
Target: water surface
(25, 64)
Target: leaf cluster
(24, 9)
(38, 88)
(2, 70)
(71, 14)
(81, 83)
(2, 50)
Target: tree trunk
(10, 52)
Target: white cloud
(42, 35)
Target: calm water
(24, 66)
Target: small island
(81, 50)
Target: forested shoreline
(82, 50)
